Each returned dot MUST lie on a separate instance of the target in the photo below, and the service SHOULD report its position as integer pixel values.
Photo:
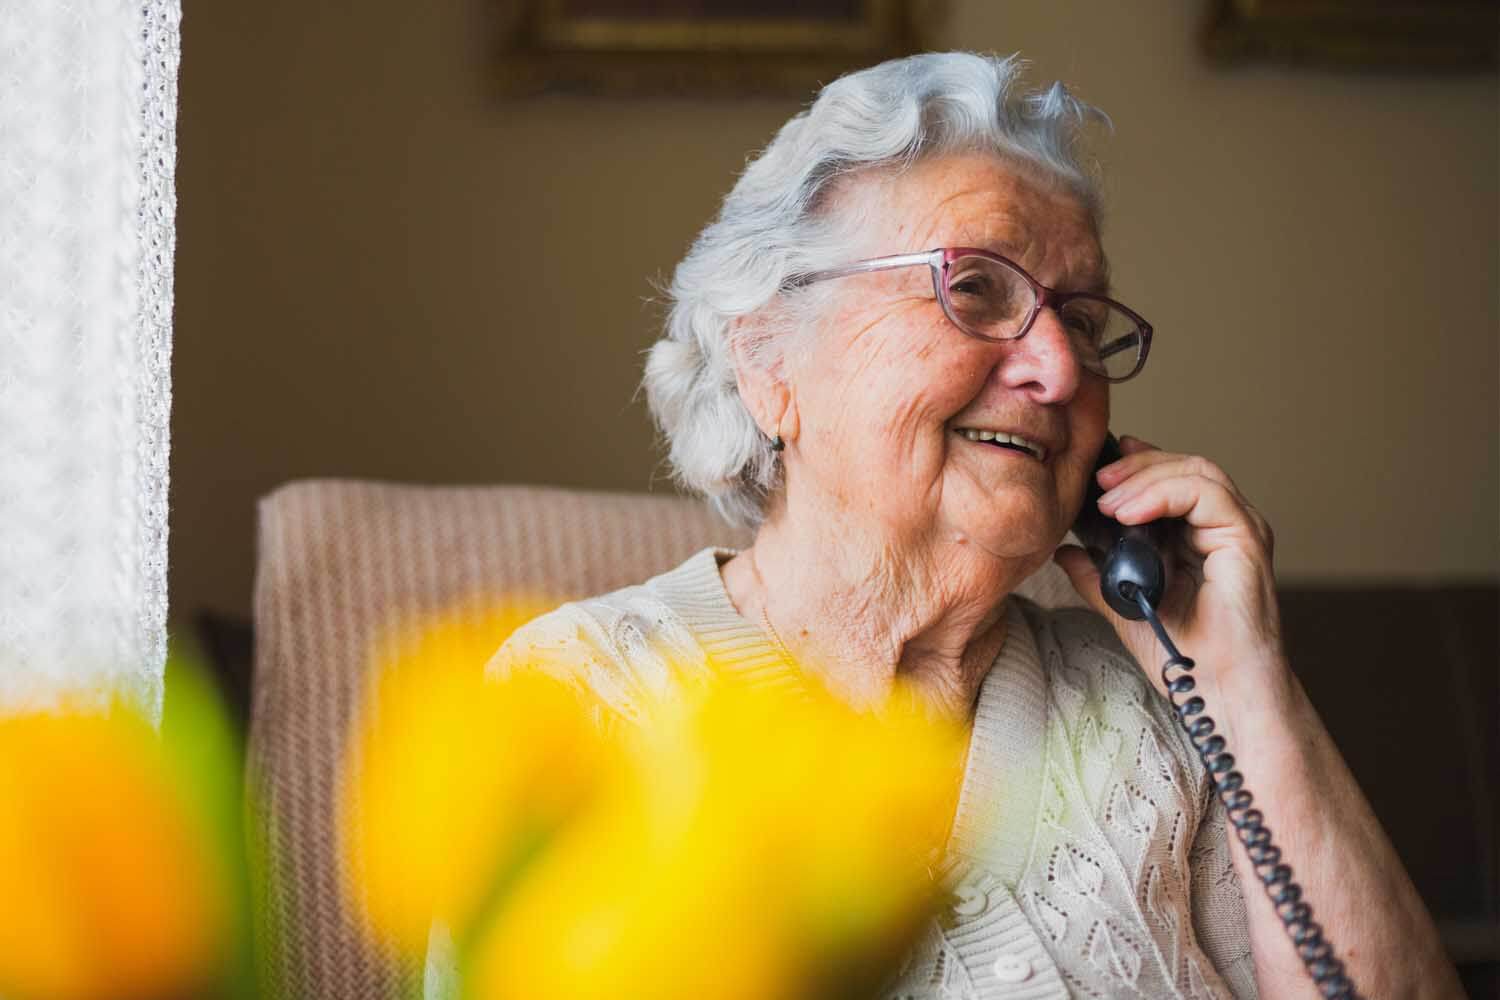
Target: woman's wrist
(1255, 695)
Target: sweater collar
(998, 800)
(1002, 780)
(733, 645)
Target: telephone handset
(1128, 557)
(1132, 580)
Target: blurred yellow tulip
(740, 843)
(451, 781)
(109, 887)
(760, 844)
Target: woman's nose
(1043, 362)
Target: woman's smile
(1005, 441)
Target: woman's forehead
(979, 200)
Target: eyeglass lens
(991, 300)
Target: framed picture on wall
(1430, 35)
(700, 47)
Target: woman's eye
(1081, 325)
(977, 285)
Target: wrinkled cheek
(854, 471)
(1073, 478)
(902, 480)
(1089, 424)
(1091, 413)
(1070, 493)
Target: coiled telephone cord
(1286, 895)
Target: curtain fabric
(88, 111)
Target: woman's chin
(1026, 531)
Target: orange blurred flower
(109, 886)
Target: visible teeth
(974, 434)
(1021, 442)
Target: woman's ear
(761, 382)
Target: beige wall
(383, 271)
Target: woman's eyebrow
(1001, 246)
(1096, 272)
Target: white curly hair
(772, 227)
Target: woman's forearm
(1348, 870)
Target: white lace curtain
(88, 112)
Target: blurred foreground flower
(450, 780)
(115, 881)
(766, 844)
(739, 843)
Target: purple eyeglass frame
(940, 259)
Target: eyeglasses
(992, 298)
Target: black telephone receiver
(1132, 579)
(1128, 557)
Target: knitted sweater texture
(1090, 855)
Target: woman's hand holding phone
(1220, 603)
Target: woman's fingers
(1148, 457)
(1134, 490)
(1162, 466)
(1147, 465)
(1206, 504)
(1130, 445)
(1130, 494)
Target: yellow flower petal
(450, 778)
(760, 844)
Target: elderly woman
(891, 355)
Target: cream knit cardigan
(1090, 856)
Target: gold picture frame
(700, 47)
(1427, 35)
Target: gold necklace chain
(785, 653)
